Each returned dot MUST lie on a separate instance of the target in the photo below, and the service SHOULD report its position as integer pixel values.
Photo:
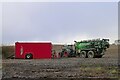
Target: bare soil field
(105, 68)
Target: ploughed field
(64, 68)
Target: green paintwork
(99, 45)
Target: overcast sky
(59, 22)
(0, 23)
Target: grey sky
(59, 22)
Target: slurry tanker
(87, 48)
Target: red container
(36, 50)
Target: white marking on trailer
(21, 50)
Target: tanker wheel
(29, 56)
(90, 54)
(83, 54)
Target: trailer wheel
(82, 54)
(29, 56)
(90, 54)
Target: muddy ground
(105, 68)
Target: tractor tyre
(82, 54)
(90, 54)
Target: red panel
(39, 50)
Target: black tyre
(82, 54)
(29, 56)
(90, 54)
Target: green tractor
(91, 48)
(86, 49)
(68, 51)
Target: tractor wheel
(29, 56)
(83, 54)
(90, 54)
